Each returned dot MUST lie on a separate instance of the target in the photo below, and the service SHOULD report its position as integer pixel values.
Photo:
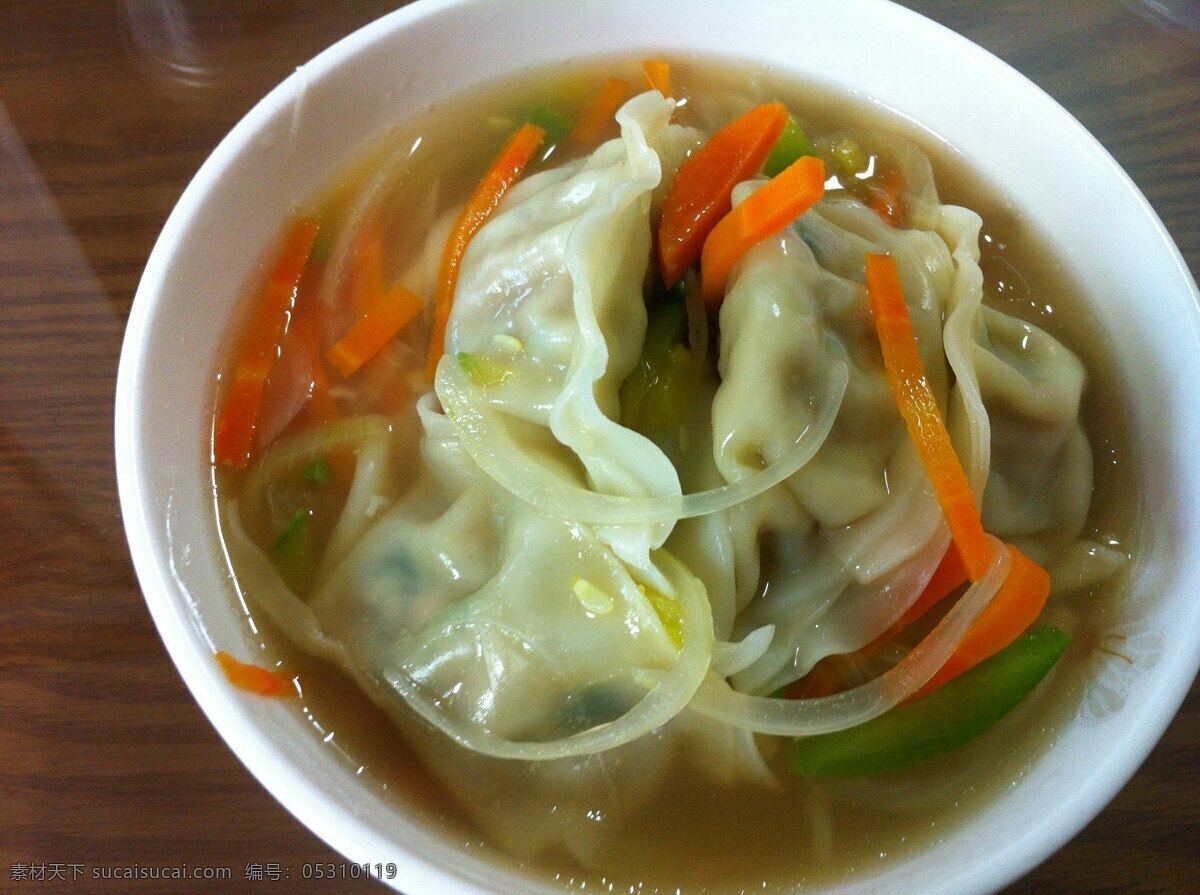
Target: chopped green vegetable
(656, 396)
(294, 552)
(319, 472)
(849, 157)
(792, 144)
(555, 124)
(483, 370)
(939, 722)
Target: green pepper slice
(655, 397)
(939, 722)
(792, 145)
(555, 124)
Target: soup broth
(691, 827)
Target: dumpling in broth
(549, 316)
(834, 556)
(620, 521)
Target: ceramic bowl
(396, 67)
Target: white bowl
(392, 70)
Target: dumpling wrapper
(549, 304)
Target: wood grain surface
(104, 116)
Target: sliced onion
(288, 387)
(729, 658)
(672, 691)
(487, 440)
(808, 717)
(370, 475)
(257, 579)
(295, 452)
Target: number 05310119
(343, 870)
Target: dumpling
(849, 540)
(519, 635)
(549, 319)
(834, 555)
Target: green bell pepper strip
(939, 722)
(656, 394)
(555, 124)
(792, 144)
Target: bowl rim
(341, 830)
(344, 831)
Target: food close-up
(558, 447)
(662, 456)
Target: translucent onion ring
(290, 454)
(488, 443)
(808, 717)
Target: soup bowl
(395, 69)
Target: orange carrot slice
(254, 678)
(1023, 594)
(599, 115)
(765, 212)
(887, 197)
(382, 313)
(906, 374)
(1015, 607)
(233, 438)
(503, 172)
(658, 75)
(377, 326)
(947, 577)
(699, 195)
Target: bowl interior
(396, 68)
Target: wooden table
(106, 111)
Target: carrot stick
(947, 577)
(887, 197)
(495, 183)
(765, 212)
(255, 678)
(381, 314)
(699, 195)
(658, 75)
(600, 113)
(1023, 594)
(1015, 607)
(906, 375)
(377, 326)
(233, 438)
